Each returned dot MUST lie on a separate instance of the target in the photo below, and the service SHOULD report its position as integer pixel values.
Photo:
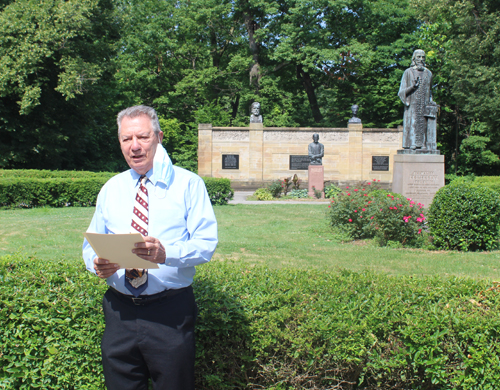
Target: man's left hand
(150, 250)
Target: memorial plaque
(230, 161)
(298, 162)
(380, 163)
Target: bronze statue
(255, 116)
(354, 119)
(419, 123)
(316, 151)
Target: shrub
(296, 182)
(331, 190)
(285, 185)
(465, 217)
(219, 190)
(275, 188)
(368, 211)
(32, 188)
(259, 327)
(298, 193)
(263, 194)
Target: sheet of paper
(117, 248)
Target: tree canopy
(67, 68)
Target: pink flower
(369, 183)
(355, 211)
(350, 220)
(422, 215)
(348, 194)
(363, 209)
(356, 190)
(419, 231)
(363, 189)
(371, 217)
(347, 188)
(365, 194)
(380, 209)
(360, 216)
(329, 206)
(388, 195)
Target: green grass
(277, 235)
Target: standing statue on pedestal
(316, 151)
(419, 123)
(255, 116)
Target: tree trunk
(311, 95)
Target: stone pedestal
(418, 176)
(316, 179)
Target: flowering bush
(331, 190)
(367, 211)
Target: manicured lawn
(277, 235)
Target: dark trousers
(154, 340)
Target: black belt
(142, 300)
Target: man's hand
(103, 268)
(416, 83)
(150, 250)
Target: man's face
(138, 143)
(420, 59)
(315, 137)
(256, 109)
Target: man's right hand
(416, 83)
(103, 268)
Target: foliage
(271, 326)
(317, 193)
(275, 188)
(367, 211)
(32, 188)
(57, 98)
(263, 194)
(331, 190)
(286, 183)
(296, 182)
(53, 192)
(298, 193)
(465, 217)
(219, 190)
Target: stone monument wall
(256, 155)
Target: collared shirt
(180, 216)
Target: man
(255, 116)
(150, 314)
(316, 151)
(415, 93)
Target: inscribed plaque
(380, 163)
(230, 161)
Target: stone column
(355, 151)
(256, 152)
(205, 149)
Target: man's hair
(134, 112)
(254, 104)
(414, 55)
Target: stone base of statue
(316, 179)
(418, 176)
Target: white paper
(117, 248)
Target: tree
(54, 58)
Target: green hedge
(32, 188)
(261, 328)
(465, 216)
(219, 190)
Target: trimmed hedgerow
(465, 216)
(261, 328)
(32, 188)
(219, 190)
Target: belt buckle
(137, 301)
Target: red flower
(350, 220)
(356, 190)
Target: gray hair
(134, 112)
(414, 55)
